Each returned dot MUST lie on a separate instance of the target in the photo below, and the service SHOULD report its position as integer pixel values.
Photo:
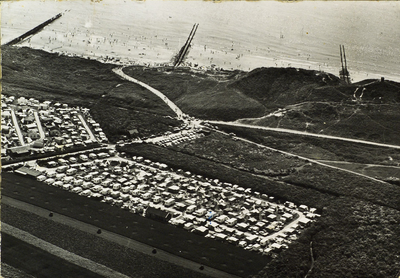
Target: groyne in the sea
(34, 30)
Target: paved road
(39, 125)
(119, 239)
(305, 133)
(88, 130)
(16, 125)
(172, 105)
(361, 164)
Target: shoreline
(356, 76)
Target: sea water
(231, 34)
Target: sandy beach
(149, 33)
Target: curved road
(305, 133)
(172, 105)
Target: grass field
(38, 263)
(201, 95)
(320, 148)
(240, 155)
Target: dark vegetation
(353, 239)
(80, 82)
(202, 95)
(117, 121)
(223, 149)
(38, 263)
(360, 217)
(277, 87)
(120, 258)
(319, 148)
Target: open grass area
(320, 148)
(119, 258)
(203, 95)
(371, 122)
(38, 263)
(241, 155)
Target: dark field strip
(222, 256)
(38, 263)
(89, 245)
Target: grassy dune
(80, 82)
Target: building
(19, 151)
(28, 172)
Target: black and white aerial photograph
(200, 139)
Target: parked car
(188, 226)
(67, 186)
(86, 193)
(96, 188)
(77, 190)
(41, 178)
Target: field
(320, 148)
(223, 149)
(37, 262)
(122, 259)
(376, 122)
(380, 172)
